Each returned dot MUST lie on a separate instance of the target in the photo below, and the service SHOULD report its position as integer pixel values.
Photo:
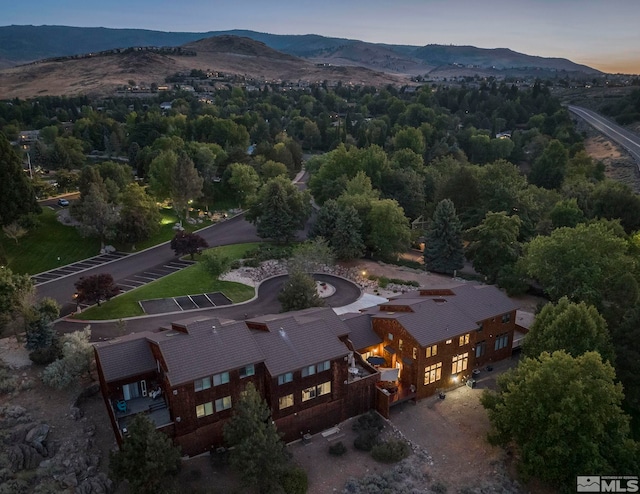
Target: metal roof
(125, 357)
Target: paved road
(627, 139)
(266, 303)
(233, 231)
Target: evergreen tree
(279, 210)
(299, 292)
(258, 452)
(186, 184)
(325, 222)
(443, 252)
(16, 194)
(146, 458)
(40, 332)
(346, 239)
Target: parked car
(63, 202)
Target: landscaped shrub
(398, 281)
(44, 356)
(366, 440)
(251, 263)
(390, 451)
(271, 251)
(236, 264)
(294, 480)
(383, 282)
(369, 420)
(8, 380)
(337, 449)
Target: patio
(156, 410)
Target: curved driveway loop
(266, 302)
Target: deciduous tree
(147, 459)
(244, 180)
(390, 233)
(188, 243)
(95, 288)
(77, 357)
(564, 415)
(576, 328)
(186, 184)
(443, 252)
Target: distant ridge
(20, 44)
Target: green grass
(40, 248)
(190, 281)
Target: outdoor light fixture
(454, 379)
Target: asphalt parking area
(76, 267)
(153, 274)
(184, 303)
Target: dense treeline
(496, 173)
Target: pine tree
(443, 252)
(346, 239)
(146, 458)
(258, 451)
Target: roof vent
(213, 330)
(282, 331)
(439, 301)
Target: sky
(604, 34)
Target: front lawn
(189, 281)
(50, 245)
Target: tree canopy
(443, 252)
(146, 459)
(17, 197)
(564, 414)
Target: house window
(247, 371)
(204, 383)
(308, 371)
(464, 339)
(506, 318)
(432, 373)
(400, 345)
(204, 409)
(309, 393)
(415, 353)
(323, 366)
(324, 388)
(480, 348)
(480, 327)
(459, 363)
(285, 378)
(502, 340)
(285, 401)
(432, 351)
(448, 342)
(223, 403)
(222, 378)
(390, 336)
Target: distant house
(314, 368)
(166, 105)
(28, 136)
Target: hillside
(20, 44)
(103, 73)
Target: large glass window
(309, 393)
(480, 348)
(204, 383)
(222, 378)
(324, 388)
(204, 409)
(323, 366)
(432, 373)
(431, 351)
(502, 340)
(459, 363)
(308, 371)
(464, 339)
(247, 371)
(223, 403)
(285, 378)
(285, 401)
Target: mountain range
(286, 57)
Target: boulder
(38, 434)
(23, 457)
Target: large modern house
(313, 367)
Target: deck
(156, 410)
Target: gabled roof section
(439, 316)
(125, 357)
(362, 334)
(297, 340)
(208, 347)
(325, 314)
